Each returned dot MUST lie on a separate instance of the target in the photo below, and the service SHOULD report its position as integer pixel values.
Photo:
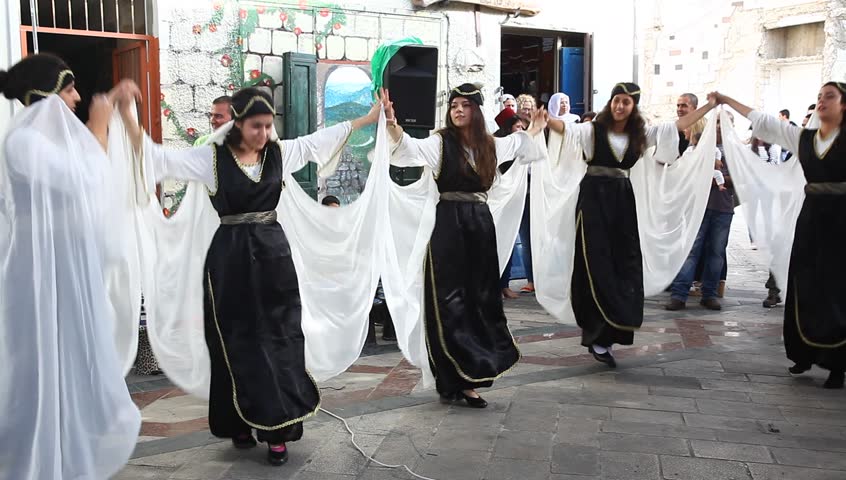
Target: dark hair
(786, 113)
(812, 106)
(757, 142)
(480, 142)
(693, 99)
(842, 89)
(240, 103)
(44, 72)
(223, 99)
(635, 126)
(588, 115)
(329, 200)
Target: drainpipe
(33, 12)
(635, 58)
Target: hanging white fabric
(670, 197)
(62, 384)
(771, 197)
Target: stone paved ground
(701, 395)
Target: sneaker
(711, 304)
(674, 305)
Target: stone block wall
(207, 52)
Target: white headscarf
(554, 106)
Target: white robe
(68, 271)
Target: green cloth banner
(384, 54)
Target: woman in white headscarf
(559, 109)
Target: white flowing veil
(62, 381)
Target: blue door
(572, 77)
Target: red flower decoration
(283, 16)
(226, 60)
(217, 6)
(191, 132)
(260, 9)
(166, 212)
(162, 96)
(302, 5)
(318, 46)
(298, 31)
(197, 29)
(167, 112)
(231, 86)
(242, 13)
(254, 74)
(324, 12)
(267, 81)
(337, 26)
(212, 27)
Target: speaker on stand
(412, 78)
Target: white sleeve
(48, 157)
(194, 164)
(583, 133)
(417, 152)
(772, 130)
(665, 136)
(519, 146)
(322, 147)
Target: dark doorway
(532, 62)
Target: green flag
(383, 55)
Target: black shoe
(475, 402)
(835, 380)
(605, 358)
(244, 442)
(799, 368)
(277, 458)
(711, 304)
(772, 301)
(674, 305)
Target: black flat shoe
(474, 402)
(835, 380)
(605, 358)
(277, 458)
(799, 368)
(244, 442)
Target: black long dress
(815, 310)
(467, 333)
(607, 289)
(252, 312)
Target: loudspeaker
(412, 78)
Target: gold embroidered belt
(826, 188)
(251, 217)
(599, 171)
(474, 197)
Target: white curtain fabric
(670, 194)
(771, 197)
(67, 273)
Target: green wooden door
(300, 116)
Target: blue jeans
(526, 240)
(710, 244)
(506, 274)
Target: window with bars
(115, 16)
